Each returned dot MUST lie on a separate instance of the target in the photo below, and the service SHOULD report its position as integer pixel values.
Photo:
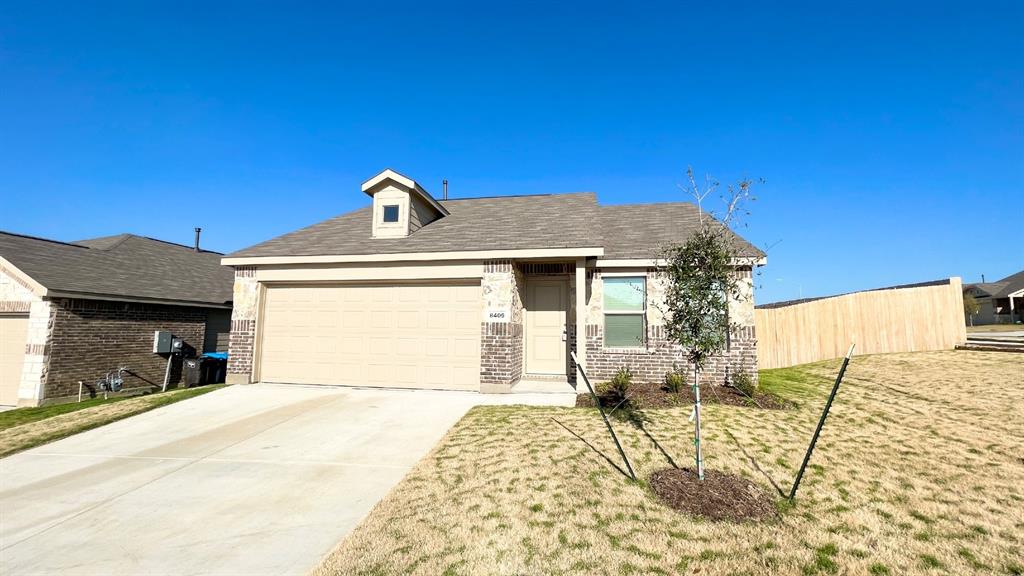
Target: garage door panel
(380, 320)
(396, 335)
(436, 347)
(466, 347)
(382, 346)
(438, 319)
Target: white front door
(545, 326)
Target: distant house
(1001, 302)
(74, 311)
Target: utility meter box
(162, 342)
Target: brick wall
(89, 338)
(650, 364)
(240, 346)
(501, 355)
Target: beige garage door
(13, 332)
(396, 336)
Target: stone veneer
(243, 326)
(501, 343)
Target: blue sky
(891, 138)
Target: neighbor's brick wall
(650, 363)
(89, 338)
(242, 339)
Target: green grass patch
(929, 561)
(33, 428)
(796, 383)
(19, 416)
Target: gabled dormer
(400, 205)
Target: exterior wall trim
(22, 278)
(416, 256)
(661, 262)
(135, 300)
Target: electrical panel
(162, 342)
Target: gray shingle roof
(124, 265)
(499, 223)
(643, 230)
(1002, 288)
(504, 223)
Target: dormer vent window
(400, 205)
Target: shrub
(675, 379)
(621, 382)
(744, 383)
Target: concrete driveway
(261, 479)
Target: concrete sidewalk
(261, 479)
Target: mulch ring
(642, 395)
(720, 496)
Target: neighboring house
(473, 294)
(1000, 302)
(74, 311)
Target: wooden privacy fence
(900, 319)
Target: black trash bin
(192, 372)
(215, 367)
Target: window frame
(384, 213)
(642, 312)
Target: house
(1000, 302)
(75, 311)
(481, 294)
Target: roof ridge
(41, 239)
(679, 203)
(125, 236)
(584, 193)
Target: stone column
(242, 341)
(501, 327)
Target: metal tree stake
(696, 419)
(821, 422)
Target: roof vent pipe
(445, 182)
(196, 246)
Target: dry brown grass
(919, 471)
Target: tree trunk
(696, 415)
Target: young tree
(702, 279)
(971, 306)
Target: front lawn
(24, 428)
(918, 471)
